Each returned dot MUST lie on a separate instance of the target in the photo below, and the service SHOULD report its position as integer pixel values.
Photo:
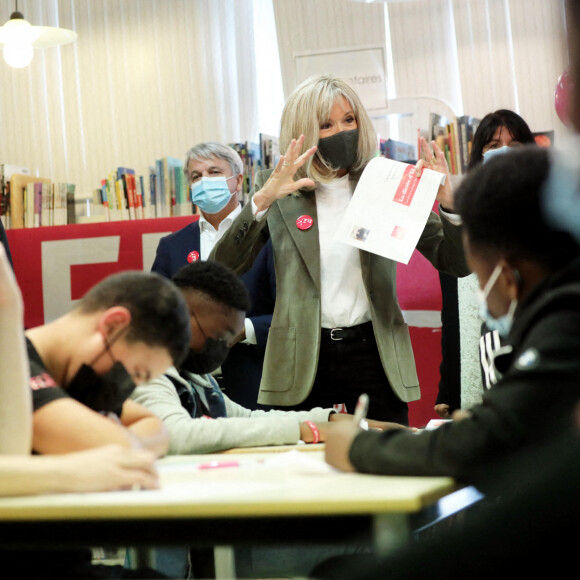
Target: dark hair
(216, 281)
(159, 315)
(501, 209)
(516, 126)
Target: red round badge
(193, 256)
(304, 222)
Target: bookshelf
(28, 201)
(164, 192)
(432, 118)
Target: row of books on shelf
(454, 138)
(255, 157)
(164, 192)
(27, 201)
(123, 195)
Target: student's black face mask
(209, 358)
(104, 393)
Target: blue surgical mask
(211, 194)
(490, 153)
(503, 324)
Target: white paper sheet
(389, 209)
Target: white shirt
(344, 301)
(208, 238)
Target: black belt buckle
(332, 337)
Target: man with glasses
(187, 397)
(215, 176)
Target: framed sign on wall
(364, 68)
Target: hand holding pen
(360, 412)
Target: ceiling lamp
(19, 39)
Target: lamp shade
(18, 38)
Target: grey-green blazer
(294, 339)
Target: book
(397, 150)
(162, 210)
(129, 195)
(152, 192)
(141, 199)
(270, 150)
(103, 190)
(71, 217)
(29, 205)
(466, 128)
(6, 172)
(37, 204)
(18, 185)
(124, 175)
(45, 204)
(174, 169)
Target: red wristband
(315, 431)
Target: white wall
(475, 55)
(150, 78)
(145, 79)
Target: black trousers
(349, 367)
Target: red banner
(56, 265)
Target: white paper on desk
(389, 209)
(297, 462)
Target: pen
(360, 411)
(217, 464)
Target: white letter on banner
(59, 256)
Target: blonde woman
(337, 329)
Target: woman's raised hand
(281, 181)
(435, 160)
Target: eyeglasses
(192, 312)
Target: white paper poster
(389, 209)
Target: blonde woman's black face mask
(339, 150)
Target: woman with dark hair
(497, 133)
(502, 128)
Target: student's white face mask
(504, 323)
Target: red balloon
(562, 97)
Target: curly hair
(500, 204)
(216, 281)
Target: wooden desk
(230, 505)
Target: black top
(532, 402)
(44, 388)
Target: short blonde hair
(308, 107)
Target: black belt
(358, 332)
